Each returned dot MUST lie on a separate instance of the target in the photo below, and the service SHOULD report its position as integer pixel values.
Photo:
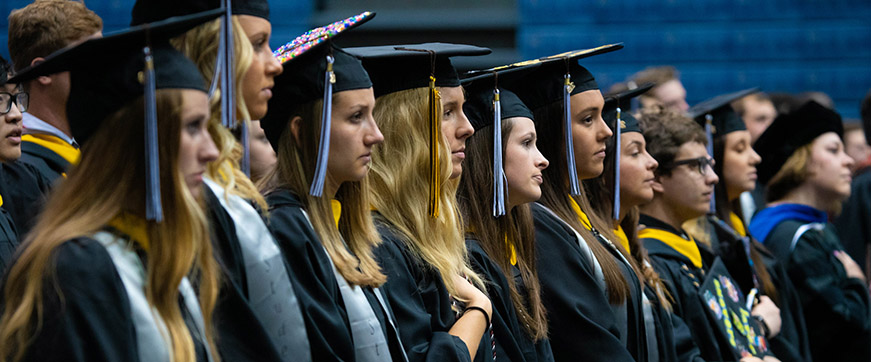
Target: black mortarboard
(487, 104)
(149, 11)
(142, 61)
(314, 69)
(395, 68)
(723, 118)
(557, 79)
(790, 132)
(618, 116)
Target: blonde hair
(792, 174)
(200, 44)
(400, 182)
(83, 204)
(297, 159)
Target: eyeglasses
(701, 164)
(22, 99)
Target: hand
(751, 359)
(853, 270)
(770, 359)
(769, 313)
(471, 295)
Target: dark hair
(865, 112)
(555, 195)
(475, 196)
(665, 132)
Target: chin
(456, 171)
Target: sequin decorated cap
(305, 65)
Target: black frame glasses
(21, 99)
(701, 164)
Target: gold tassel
(434, 137)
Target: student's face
(739, 164)
(672, 95)
(758, 115)
(196, 148)
(353, 133)
(855, 145)
(829, 167)
(262, 155)
(686, 191)
(455, 126)
(10, 126)
(636, 171)
(258, 80)
(589, 133)
(523, 163)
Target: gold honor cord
(435, 135)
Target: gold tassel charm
(434, 137)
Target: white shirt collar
(33, 125)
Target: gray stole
(370, 345)
(270, 293)
(152, 337)
(650, 325)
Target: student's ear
(294, 127)
(43, 80)
(657, 184)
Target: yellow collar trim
(621, 236)
(513, 251)
(337, 211)
(581, 215)
(687, 248)
(133, 226)
(56, 145)
(737, 224)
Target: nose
(849, 161)
(542, 162)
(273, 67)
(464, 129)
(711, 177)
(374, 136)
(14, 115)
(604, 130)
(208, 150)
(652, 163)
(755, 159)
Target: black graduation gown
(24, 191)
(94, 322)
(674, 341)
(683, 281)
(854, 222)
(791, 344)
(837, 308)
(323, 309)
(241, 336)
(421, 304)
(48, 163)
(582, 325)
(513, 343)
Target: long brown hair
(94, 194)
(297, 156)
(600, 191)
(400, 183)
(475, 197)
(555, 195)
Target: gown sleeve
(582, 324)
(314, 282)
(420, 305)
(90, 320)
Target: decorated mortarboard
(142, 61)
(395, 68)
(717, 118)
(617, 114)
(487, 104)
(146, 11)
(314, 68)
(557, 79)
(790, 132)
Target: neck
(624, 210)
(55, 116)
(669, 215)
(805, 195)
(331, 188)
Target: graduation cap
(146, 11)
(617, 114)
(790, 132)
(395, 68)
(142, 61)
(557, 79)
(487, 104)
(717, 118)
(314, 68)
